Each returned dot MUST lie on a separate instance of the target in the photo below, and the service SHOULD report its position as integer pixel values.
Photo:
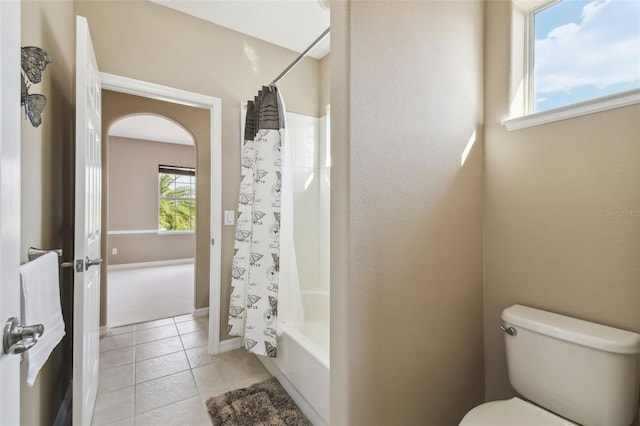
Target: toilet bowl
(571, 372)
(512, 412)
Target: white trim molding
(604, 103)
(214, 105)
(176, 232)
(201, 312)
(155, 263)
(230, 344)
(521, 90)
(133, 232)
(149, 231)
(529, 5)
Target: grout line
(135, 363)
(165, 405)
(165, 375)
(135, 385)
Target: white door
(86, 309)
(9, 202)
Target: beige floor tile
(120, 330)
(231, 372)
(190, 412)
(161, 366)
(182, 318)
(158, 348)
(129, 421)
(116, 378)
(255, 368)
(113, 406)
(165, 390)
(109, 343)
(211, 390)
(200, 356)
(193, 340)
(117, 357)
(193, 325)
(154, 324)
(173, 372)
(235, 354)
(157, 333)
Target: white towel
(41, 305)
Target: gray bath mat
(264, 403)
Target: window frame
(191, 171)
(521, 111)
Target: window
(583, 50)
(177, 200)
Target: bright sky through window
(585, 50)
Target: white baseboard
(201, 312)
(104, 330)
(151, 264)
(230, 344)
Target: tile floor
(159, 373)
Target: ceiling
(293, 24)
(151, 128)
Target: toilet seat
(512, 412)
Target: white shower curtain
(264, 273)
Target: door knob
(93, 262)
(18, 338)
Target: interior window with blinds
(177, 198)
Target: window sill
(604, 103)
(176, 232)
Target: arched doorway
(151, 215)
(202, 115)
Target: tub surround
(302, 365)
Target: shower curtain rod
(299, 58)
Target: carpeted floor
(264, 403)
(147, 293)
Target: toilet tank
(586, 372)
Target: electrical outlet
(114, 251)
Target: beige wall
(196, 121)
(149, 42)
(406, 218)
(47, 187)
(133, 200)
(549, 241)
(325, 85)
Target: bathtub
(302, 365)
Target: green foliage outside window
(177, 207)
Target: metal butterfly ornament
(34, 62)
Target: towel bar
(34, 253)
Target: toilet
(567, 372)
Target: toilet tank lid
(574, 330)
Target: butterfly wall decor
(34, 61)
